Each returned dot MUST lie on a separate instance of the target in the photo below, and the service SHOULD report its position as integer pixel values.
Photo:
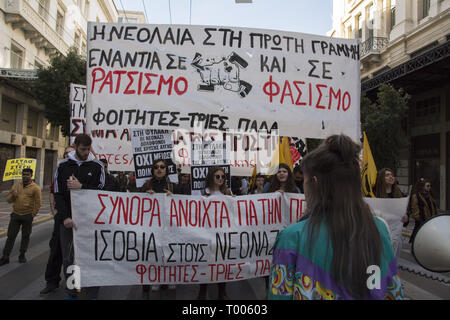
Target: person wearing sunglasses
(423, 205)
(158, 183)
(216, 184)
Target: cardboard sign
(204, 156)
(14, 167)
(150, 146)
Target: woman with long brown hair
(158, 183)
(282, 181)
(386, 186)
(216, 184)
(332, 251)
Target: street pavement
(25, 281)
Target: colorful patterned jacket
(295, 275)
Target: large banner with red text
(137, 238)
(226, 79)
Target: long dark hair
(334, 197)
(290, 186)
(380, 185)
(210, 180)
(149, 183)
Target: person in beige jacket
(26, 199)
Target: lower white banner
(138, 238)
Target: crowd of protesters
(311, 259)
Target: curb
(40, 220)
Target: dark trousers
(55, 260)
(66, 240)
(17, 221)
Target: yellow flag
(285, 154)
(282, 154)
(368, 170)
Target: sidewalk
(43, 215)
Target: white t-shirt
(214, 193)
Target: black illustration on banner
(223, 72)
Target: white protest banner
(218, 78)
(391, 210)
(77, 99)
(136, 238)
(150, 145)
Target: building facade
(406, 43)
(31, 33)
(131, 17)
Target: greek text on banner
(137, 238)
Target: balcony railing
(20, 14)
(372, 45)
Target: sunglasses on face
(220, 176)
(159, 167)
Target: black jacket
(159, 186)
(111, 183)
(90, 173)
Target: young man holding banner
(54, 263)
(26, 196)
(79, 171)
